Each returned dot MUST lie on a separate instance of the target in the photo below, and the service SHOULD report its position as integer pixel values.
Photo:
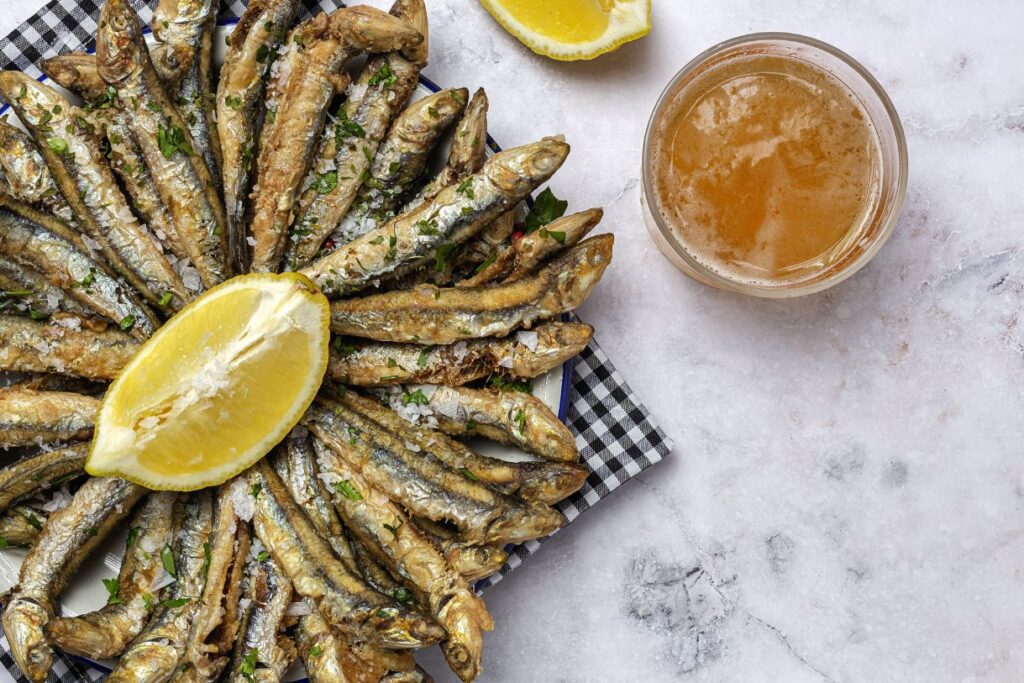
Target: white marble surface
(845, 497)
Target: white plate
(86, 591)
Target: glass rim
(892, 211)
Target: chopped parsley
(520, 419)
(556, 235)
(415, 397)
(126, 323)
(234, 102)
(346, 127)
(133, 534)
(402, 594)
(255, 490)
(505, 384)
(466, 188)
(171, 139)
(167, 557)
(326, 182)
(394, 528)
(166, 298)
(464, 471)
(206, 559)
(57, 145)
(546, 208)
(147, 600)
(383, 77)
(315, 651)
(112, 586)
(346, 489)
(441, 255)
(263, 556)
(174, 603)
(424, 356)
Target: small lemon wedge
(572, 29)
(217, 386)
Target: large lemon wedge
(573, 29)
(217, 386)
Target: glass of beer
(774, 165)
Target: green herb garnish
(346, 489)
(546, 208)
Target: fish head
(120, 48)
(519, 170)
(23, 622)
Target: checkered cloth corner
(615, 434)
(613, 430)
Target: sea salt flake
(528, 339)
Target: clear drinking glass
(877, 224)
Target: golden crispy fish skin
(254, 44)
(216, 622)
(377, 364)
(433, 229)
(264, 652)
(69, 143)
(514, 418)
(105, 633)
(48, 246)
(288, 143)
(30, 346)
(386, 529)
(491, 269)
(159, 650)
(432, 315)
(340, 596)
(401, 160)
(69, 537)
(30, 180)
(28, 417)
(349, 146)
(21, 478)
(425, 485)
(25, 290)
(474, 562)
(77, 72)
(533, 249)
(183, 57)
(20, 526)
(539, 481)
(467, 153)
(185, 183)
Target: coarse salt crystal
(244, 504)
(298, 609)
(459, 350)
(528, 339)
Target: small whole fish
(43, 243)
(474, 562)
(217, 620)
(432, 230)
(540, 481)
(159, 650)
(326, 43)
(69, 143)
(340, 596)
(183, 57)
(467, 153)
(377, 575)
(77, 72)
(28, 475)
(184, 181)
(330, 657)
(252, 51)
(425, 485)
(487, 255)
(381, 524)
(105, 633)
(31, 417)
(20, 526)
(495, 267)
(264, 652)
(400, 161)
(533, 249)
(30, 346)
(513, 418)
(29, 178)
(432, 315)
(68, 538)
(24, 290)
(528, 354)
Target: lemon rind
(628, 21)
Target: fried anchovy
(432, 230)
(183, 57)
(484, 256)
(331, 657)
(25, 290)
(400, 161)
(425, 485)
(386, 529)
(69, 537)
(431, 315)
(26, 171)
(45, 244)
(264, 652)
(474, 562)
(105, 633)
(20, 526)
(493, 268)
(509, 417)
(296, 465)
(341, 597)
(183, 180)
(287, 145)
(528, 354)
(533, 249)
(377, 575)
(70, 145)
(78, 72)
(28, 417)
(216, 621)
(29, 346)
(253, 49)
(344, 154)
(541, 481)
(27, 475)
(467, 153)
(159, 650)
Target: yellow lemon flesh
(573, 29)
(217, 386)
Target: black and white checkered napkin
(614, 432)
